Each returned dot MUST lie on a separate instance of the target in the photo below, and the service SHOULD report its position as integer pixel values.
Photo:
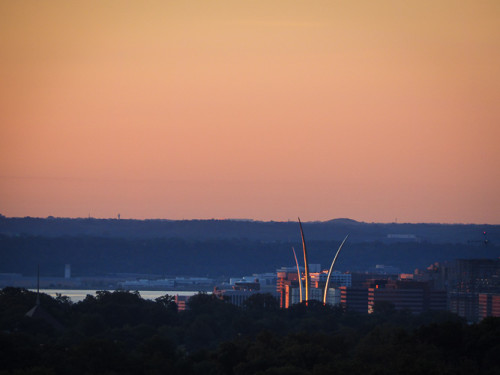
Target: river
(77, 295)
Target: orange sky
(372, 110)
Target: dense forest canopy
(121, 333)
(90, 256)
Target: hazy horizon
(242, 219)
(375, 111)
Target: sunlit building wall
(287, 279)
(489, 305)
(181, 302)
(354, 299)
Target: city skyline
(377, 112)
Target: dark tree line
(121, 333)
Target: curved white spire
(306, 263)
(298, 274)
(331, 268)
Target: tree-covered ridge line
(241, 229)
(90, 256)
(121, 333)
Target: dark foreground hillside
(121, 333)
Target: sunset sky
(372, 110)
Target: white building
(336, 278)
(317, 294)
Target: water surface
(77, 295)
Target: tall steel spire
(331, 268)
(306, 263)
(298, 274)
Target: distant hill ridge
(343, 221)
(334, 229)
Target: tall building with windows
(287, 285)
(413, 296)
(489, 305)
(468, 279)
